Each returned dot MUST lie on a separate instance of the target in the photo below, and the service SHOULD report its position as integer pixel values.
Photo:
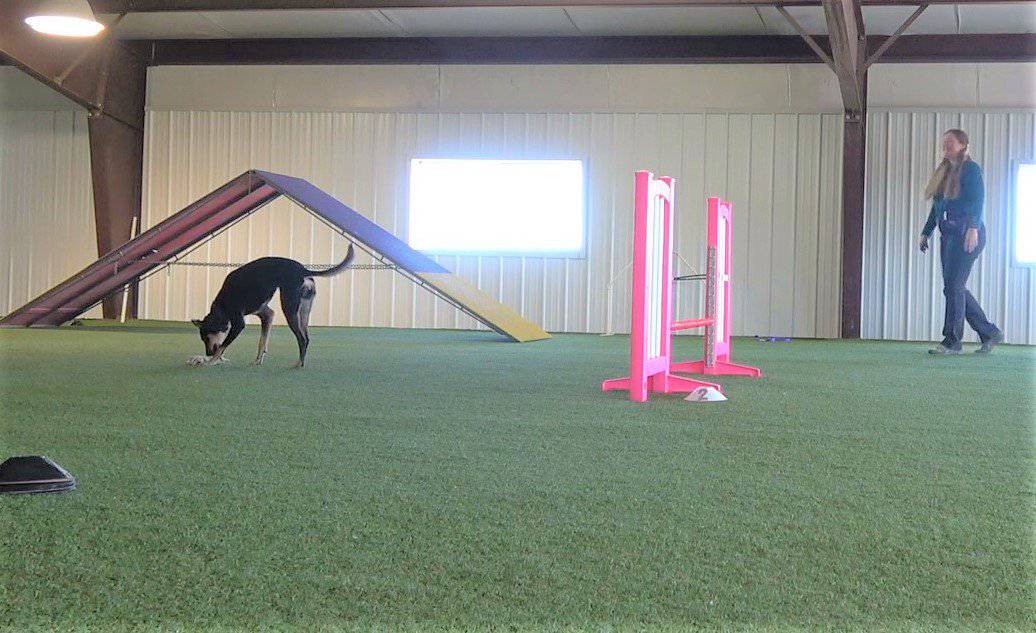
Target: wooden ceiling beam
(485, 50)
(154, 6)
(762, 49)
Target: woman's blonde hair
(946, 178)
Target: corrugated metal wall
(781, 171)
(46, 202)
(902, 297)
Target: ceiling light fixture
(67, 18)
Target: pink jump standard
(719, 300)
(651, 334)
(652, 327)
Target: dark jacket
(966, 210)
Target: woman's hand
(970, 240)
(923, 244)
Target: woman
(958, 194)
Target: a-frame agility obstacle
(218, 210)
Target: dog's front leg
(216, 359)
(265, 315)
(206, 361)
(237, 323)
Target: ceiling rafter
(848, 51)
(155, 6)
(876, 55)
(783, 49)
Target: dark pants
(960, 305)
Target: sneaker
(943, 350)
(987, 346)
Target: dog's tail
(334, 270)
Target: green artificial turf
(440, 480)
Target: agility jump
(652, 368)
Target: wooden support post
(849, 52)
(116, 163)
(854, 147)
(109, 81)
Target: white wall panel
(952, 86)
(46, 205)
(353, 129)
(589, 88)
(902, 296)
(781, 171)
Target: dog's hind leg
(291, 303)
(309, 294)
(265, 315)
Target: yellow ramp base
(488, 310)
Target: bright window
(1025, 214)
(497, 207)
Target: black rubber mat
(34, 473)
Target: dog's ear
(196, 322)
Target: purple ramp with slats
(357, 226)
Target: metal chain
(310, 266)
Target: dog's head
(213, 329)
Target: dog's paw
(196, 361)
(258, 361)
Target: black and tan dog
(248, 290)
